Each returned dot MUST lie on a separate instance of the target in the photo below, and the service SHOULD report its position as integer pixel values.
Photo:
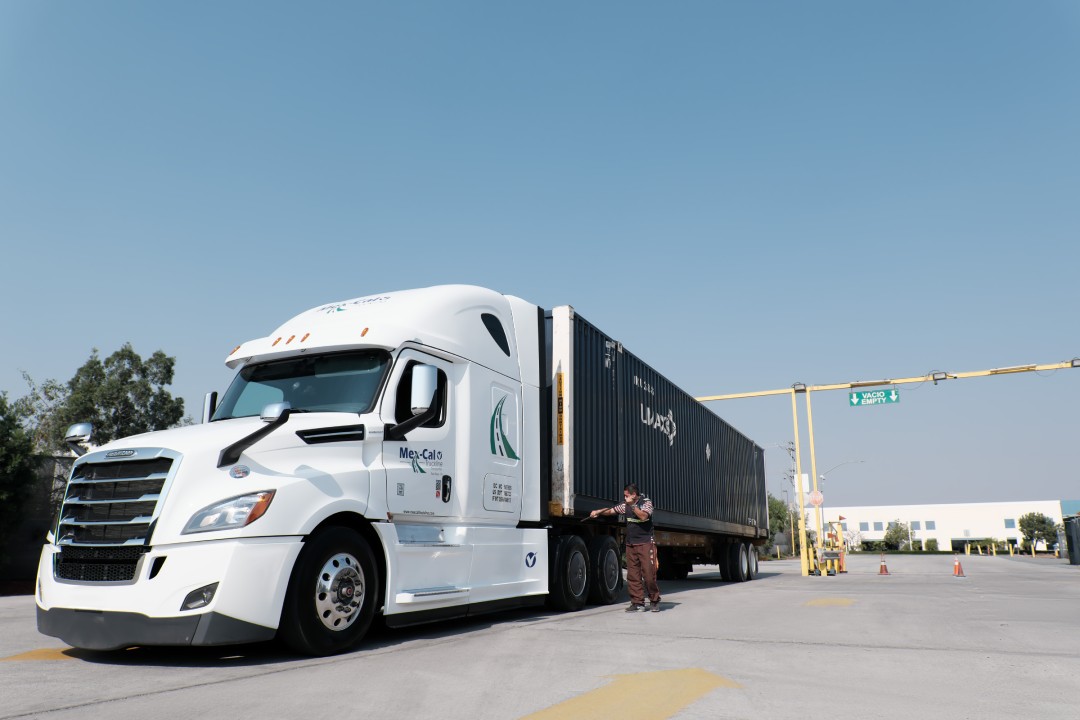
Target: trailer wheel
(332, 594)
(606, 570)
(751, 561)
(737, 562)
(569, 574)
(723, 554)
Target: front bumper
(252, 576)
(99, 630)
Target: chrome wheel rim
(339, 592)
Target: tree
(17, 469)
(779, 518)
(897, 535)
(39, 413)
(1036, 526)
(122, 395)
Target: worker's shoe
(655, 607)
(635, 608)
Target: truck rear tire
(737, 562)
(606, 570)
(569, 587)
(751, 561)
(723, 553)
(332, 594)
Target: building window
(967, 533)
(931, 525)
(843, 526)
(916, 525)
(864, 527)
(1010, 524)
(892, 524)
(879, 526)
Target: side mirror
(209, 406)
(273, 411)
(77, 436)
(425, 381)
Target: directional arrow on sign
(854, 398)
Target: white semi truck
(419, 455)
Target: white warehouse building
(952, 525)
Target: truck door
(421, 477)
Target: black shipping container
(632, 425)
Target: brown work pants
(641, 573)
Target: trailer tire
(332, 594)
(737, 562)
(569, 587)
(606, 569)
(751, 561)
(723, 553)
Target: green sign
(874, 397)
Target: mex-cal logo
(343, 306)
(530, 560)
(500, 443)
(422, 460)
(121, 453)
(663, 423)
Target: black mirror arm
(396, 433)
(232, 453)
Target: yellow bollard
(1032, 549)
(993, 549)
(1010, 549)
(967, 548)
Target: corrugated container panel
(631, 424)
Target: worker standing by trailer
(641, 560)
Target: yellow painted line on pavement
(639, 696)
(42, 654)
(830, 602)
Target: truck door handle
(446, 488)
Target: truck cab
(376, 455)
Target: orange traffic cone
(884, 570)
(957, 569)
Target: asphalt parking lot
(1003, 642)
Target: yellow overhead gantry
(797, 388)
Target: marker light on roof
(291, 338)
(364, 332)
(306, 336)
(276, 342)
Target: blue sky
(746, 194)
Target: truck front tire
(332, 594)
(569, 587)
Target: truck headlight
(230, 514)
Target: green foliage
(122, 395)
(873, 546)
(932, 545)
(778, 518)
(39, 412)
(896, 537)
(17, 468)
(1035, 527)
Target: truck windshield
(342, 382)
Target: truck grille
(98, 564)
